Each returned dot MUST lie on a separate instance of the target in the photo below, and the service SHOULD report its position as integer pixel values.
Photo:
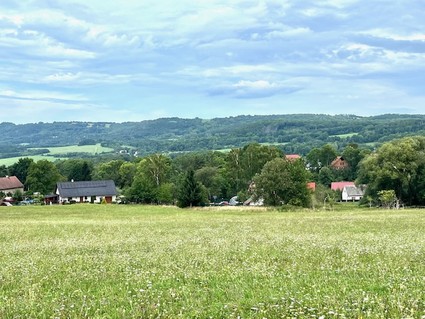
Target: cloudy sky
(132, 60)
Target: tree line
(296, 133)
(254, 171)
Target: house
(10, 184)
(352, 193)
(339, 186)
(339, 163)
(86, 192)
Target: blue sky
(132, 60)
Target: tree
(127, 172)
(213, 180)
(190, 192)
(75, 169)
(321, 157)
(42, 177)
(244, 163)
(387, 198)
(108, 170)
(326, 176)
(283, 182)
(4, 171)
(398, 165)
(20, 169)
(151, 174)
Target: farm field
(89, 149)
(113, 261)
(56, 153)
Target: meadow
(116, 261)
(60, 152)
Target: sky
(134, 60)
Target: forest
(297, 133)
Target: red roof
(312, 186)
(10, 182)
(340, 185)
(292, 157)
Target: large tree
(76, 169)
(283, 182)
(20, 169)
(244, 163)
(151, 180)
(42, 177)
(398, 165)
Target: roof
(339, 162)
(88, 188)
(340, 185)
(353, 191)
(10, 182)
(292, 157)
(311, 185)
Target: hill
(296, 133)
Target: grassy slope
(139, 262)
(89, 149)
(62, 150)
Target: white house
(352, 193)
(86, 192)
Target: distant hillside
(296, 133)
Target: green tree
(244, 163)
(43, 176)
(283, 182)
(127, 173)
(20, 169)
(151, 174)
(398, 165)
(387, 198)
(4, 171)
(75, 169)
(213, 180)
(190, 192)
(321, 157)
(108, 171)
(326, 176)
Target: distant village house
(9, 185)
(339, 163)
(84, 192)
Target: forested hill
(295, 133)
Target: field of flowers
(104, 261)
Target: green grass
(89, 149)
(100, 261)
(345, 135)
(55, 152)
(12, 160)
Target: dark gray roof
(354, 191)
(92, 188)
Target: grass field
(12, 160)
(55, 152)
(100, 261)
(89, 149)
